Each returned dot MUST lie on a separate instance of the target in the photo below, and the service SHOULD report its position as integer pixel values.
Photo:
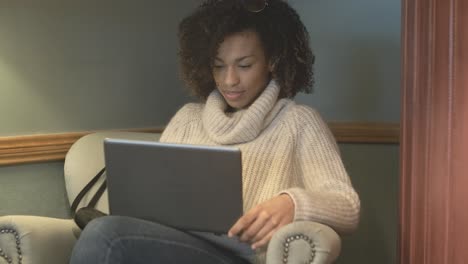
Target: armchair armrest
(86, 158)
(304, 242)
(36, 240)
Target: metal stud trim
(289, 240)
(15, 234)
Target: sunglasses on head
(254, 5)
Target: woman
(245, 63)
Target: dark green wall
(87, 65)
(374, 172)
(357, 46)
(35, 189)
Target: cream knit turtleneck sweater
(286, 148)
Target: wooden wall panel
(458, 208)
(434, 149)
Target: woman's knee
(96, 239)
(110, 222)
(104, 228)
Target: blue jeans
(117, 239)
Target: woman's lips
(233, 95)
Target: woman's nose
(231, 77)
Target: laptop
(188, 187)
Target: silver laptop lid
(188, 187)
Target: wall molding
(366, 132)
(53, 147)
(45, 147)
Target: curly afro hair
(284, 38)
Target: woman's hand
(259, 224)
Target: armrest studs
(18, 248)
(293, 238)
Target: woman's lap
(114, 239)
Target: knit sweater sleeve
(328, 196)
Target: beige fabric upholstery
(41, 239)
(45, 240)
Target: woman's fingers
(264, 241)
(243, 223)
(266, 229)
(259, 224)
(262, 219)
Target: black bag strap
(86, 189)
(98, 194)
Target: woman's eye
(218, 66)
(245, 66)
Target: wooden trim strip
(43, 148)
(53, 147)
(366, 133)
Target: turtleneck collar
(243, 125)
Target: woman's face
(240, 69)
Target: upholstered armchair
(44, 240)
